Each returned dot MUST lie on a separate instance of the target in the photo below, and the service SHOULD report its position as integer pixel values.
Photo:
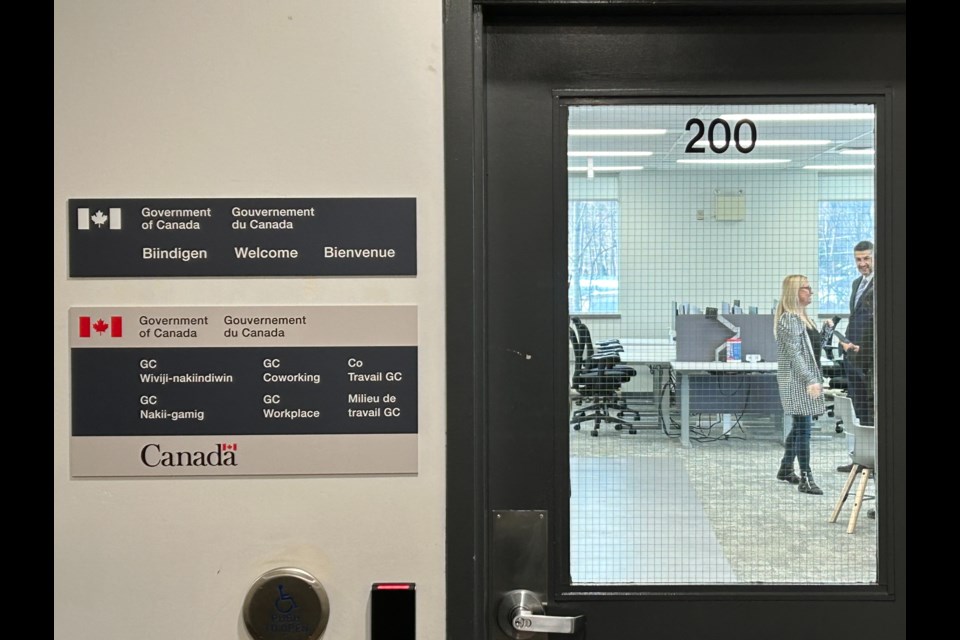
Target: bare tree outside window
(843, 223)
(594, 256)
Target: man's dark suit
(859, 365)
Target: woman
(799, 378)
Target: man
(858, 347)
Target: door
(673, 514)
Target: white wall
(247, 98)
(667, 255)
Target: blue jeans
(798, 444)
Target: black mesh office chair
(607, 352)
(597, 380)
(834, 370)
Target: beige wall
(247, 98)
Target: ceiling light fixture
(781, 143)
(735, 161)
(840, 167)
(609, 154)
(798, 117)
(615, 132)
(621, 168)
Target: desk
(655, 353)
(660, 354)
(684, 372)
(648, 350)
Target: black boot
(787, 475)
(807, 485)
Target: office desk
(655, 353)
(660, 355)
(648, 351)
(686, 370)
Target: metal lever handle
(521, 616)
(526, 621)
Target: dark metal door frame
(464, 98)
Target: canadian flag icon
(89, 327)
(228, 446)
(113, 218)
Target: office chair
(603, 347)
(835, 370)
(607, 353)
(864, 460)
(597, 384)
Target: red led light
(387, 586)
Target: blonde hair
(790, 301)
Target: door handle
(521, 616)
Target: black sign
(244, 391)
(203, 237)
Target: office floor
(646, 510)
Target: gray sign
(243, 390)
(204, 237)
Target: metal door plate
(519, 541)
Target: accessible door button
(286, 604)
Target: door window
(714, 256)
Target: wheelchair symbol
(285, 602)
